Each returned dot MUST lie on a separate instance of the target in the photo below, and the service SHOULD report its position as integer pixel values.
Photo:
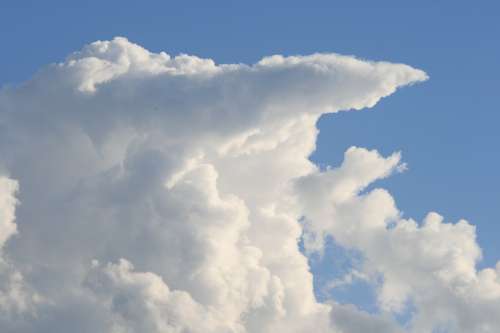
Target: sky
(445, 128)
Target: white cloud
(142, 302)
(8, 227)
(15, 297)
(431, 265)
(197, 175)
(348, 319)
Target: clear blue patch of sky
(334, 264)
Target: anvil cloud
(144, 193)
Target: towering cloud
(169, 194)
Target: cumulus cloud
(169, 194)
(348, 319)
(142, 302)
(15, 296)
(430, 266)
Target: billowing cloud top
(147, 193)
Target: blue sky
(447, 127)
